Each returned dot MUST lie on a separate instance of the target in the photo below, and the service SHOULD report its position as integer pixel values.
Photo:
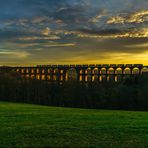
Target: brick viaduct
(82, 73)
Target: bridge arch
(135, 71)
(81, 71)
(95, 71)
(43, 73)
(71, 74)
(56, 71)
(111, 74)
(49, 74)
(144, 69)
(103, 71)
(119, 71)
(22, 70)
(27, 70)
(49, 70)
(55, 74)
(127, 71)
(32, 73)
(111, 70)
(88, 78)
(37, 70)
(88, 71)
(43, 70)
(119, 74)
(88, 75)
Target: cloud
(137, 17)
(22, 22)
(141, 45)
(98, 17)
(115, 33)
(14, 54)
(76, 31)
(31, 38)
(59, 45)
(46, 31)
(116, 20)
(40, 19)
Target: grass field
(23, 125)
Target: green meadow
(25, 125)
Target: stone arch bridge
(82, 73)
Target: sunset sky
(73, 32)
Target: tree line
(131, 94)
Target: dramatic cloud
(73, 31)
(115, 33)
(137, 17)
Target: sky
(42, 32)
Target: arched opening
(49, 71)
(32, 70)
(88, 78)
(37, 70)
(127, 71)
(95, 71)
(61, 78)
(71, 75)
(22, 70)
(100, 78)
(88, 71)
(111, 71)
(38, 77)
(27, 70)
(43, 71)
(61, 71)
(81, 72)
(144, 70)
(95, 78)
(118, 78)
(103, 71)
(27, 76)
(135, 71)
(80, 78)
(118, 71)
(111, 78)
(18, 70)
(55, 71)
(32, 76)
(48, 77)
(104, 78)
(108, 78)
(54, 78)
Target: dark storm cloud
(10, 34)
(103, 32)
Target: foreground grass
(23, 125)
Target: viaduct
(82, 73)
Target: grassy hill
(23, 125)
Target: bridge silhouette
(81, 73)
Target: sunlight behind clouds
(73, 31)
